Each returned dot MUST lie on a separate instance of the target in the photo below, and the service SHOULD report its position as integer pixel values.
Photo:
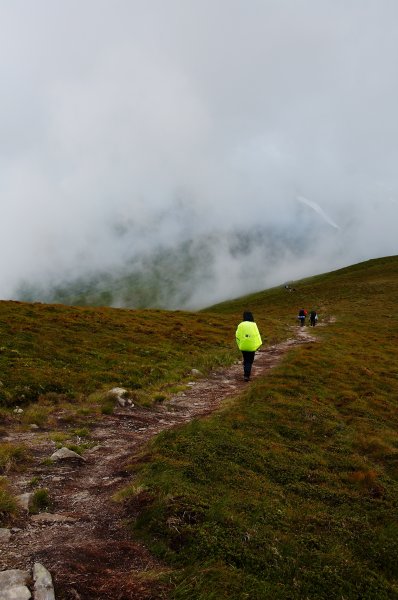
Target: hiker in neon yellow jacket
(249, 340)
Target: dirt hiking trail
(84, 542)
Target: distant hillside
(337, 291)
(185, 274)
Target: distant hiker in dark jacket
(301, 316)
(249, 340)
(313, 318)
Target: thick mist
(132, 127)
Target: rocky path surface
(84, 542)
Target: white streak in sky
(318, 210)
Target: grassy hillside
(71, 351)
(292, 492)
(289, 493)
(59, 363)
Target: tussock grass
(8, 504)
(12, 457)
(40, 501)
(291, 492)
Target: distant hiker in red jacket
(249, 340)
(301, 316)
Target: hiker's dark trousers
(302, 321)
(248, 358)
(313, 322)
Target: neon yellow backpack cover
(248, 336)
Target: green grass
(8, 504)
(40, 501)
(12, 457)
(292, 492)
(57, 354)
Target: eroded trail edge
(84, 541)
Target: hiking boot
(246, 378)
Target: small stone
(195, 372)
(13, 577)
(18, 410)
(16, 592)
(65, 454)
(95, 448)
(121, 401)
(33, 426)
(118, 391)
(52, 518)
(44, 589)
(5, 535)
(24, 500)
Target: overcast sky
(218, 113)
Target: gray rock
(44, 589)
(51, 518)
(13, 585)
(65, 454)
(13, 577)
(118, 391)
(120, 396)
(5, 535)
(16, 592)
(33, 426)
(95, 448)
(18, 410)
(195, 372)
(24, 500)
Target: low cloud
(133, 127)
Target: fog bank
(132, 126)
